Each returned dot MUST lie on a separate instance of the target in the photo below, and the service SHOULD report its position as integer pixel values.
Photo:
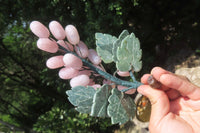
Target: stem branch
(106, 75)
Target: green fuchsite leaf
(117, 44)
(100, 101)
(129, 54)
(82, 98)
(104, 43)
(121, 108)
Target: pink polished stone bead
(57, 30)
(47, 45)
(55, 62)
(72, 34)
(39, 29)
(80, 80)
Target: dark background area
(32, 97)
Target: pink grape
(55, 62)
(72, 34)
(82, 80)
(39, 29)
(86, 72)
(47, 45)
(127, 92)
(65, 45)
(96, 86)
(71, 60)
(67, 73)
(123, 74)
(81, 49)
(57, 30)
(93, 57)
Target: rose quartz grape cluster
(71, 67)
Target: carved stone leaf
(121, 108)
(82, 98)
(117, 44)
(100, 101)
(129, 54)
(104, 43)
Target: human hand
(175, 105)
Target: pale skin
(175, 106)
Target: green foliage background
(32, 98)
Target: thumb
(159, 101)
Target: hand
(175, 106)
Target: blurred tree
(27, 90)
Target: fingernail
(153, 82)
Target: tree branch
(10, 126)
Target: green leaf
(129, 54)
(82, 98)
(104, 43)
(121, 108)
(117, 44)
(100, 101)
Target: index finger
(185, 87)
(177, 83)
